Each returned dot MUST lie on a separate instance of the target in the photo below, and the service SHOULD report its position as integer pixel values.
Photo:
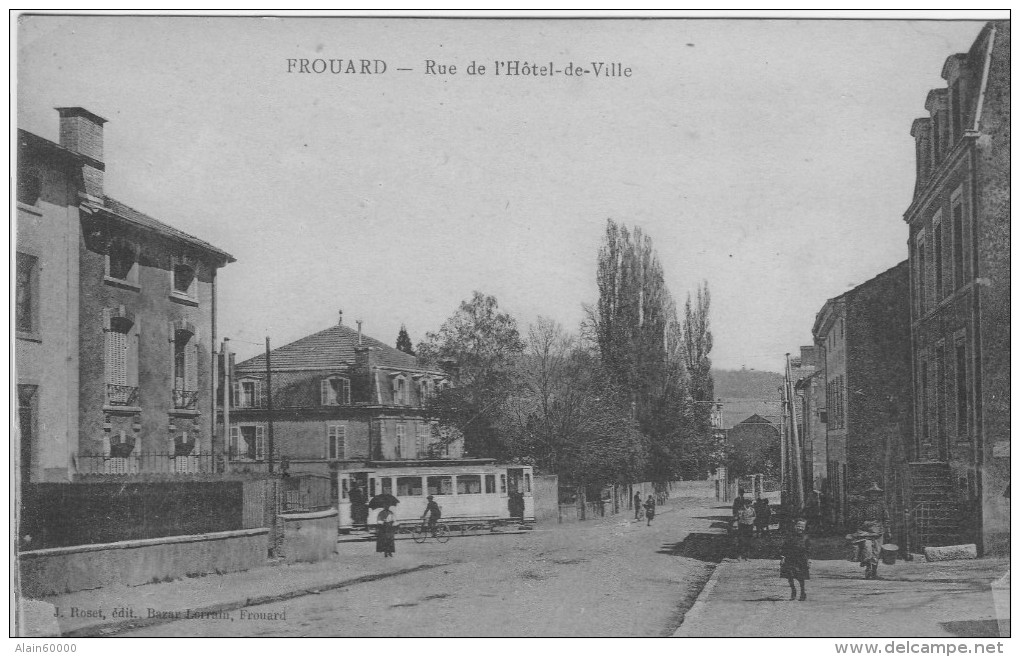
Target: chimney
(340, 320)
(359, 333)
(81, 131)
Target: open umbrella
(382, 501)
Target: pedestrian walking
(793, 559)
(762, 516)
(872, 522)
(385, 536)
(745, 529)
(738, 502)
(637, 505)
(650, 509)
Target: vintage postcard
(512, 326)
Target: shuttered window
(402, 450)
(116, 357)
(421, 438)
(336, 441)
(335, 391)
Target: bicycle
(421, 532)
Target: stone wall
(308, 536)
(132, 563)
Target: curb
(108, 629)
(699, 602)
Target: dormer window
(122, 263)
(400, 390)
(248, 393)
(335, 391)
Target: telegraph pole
(269, 403)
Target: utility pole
(227, 391)
(269, 403)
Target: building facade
(864, 339)
(118, 325)
(809, 386)
(340, 400)
(959, 237)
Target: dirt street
(611, 577)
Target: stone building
(116, 318)
(809, 386)
(340, 401)
(959, 239)
(864, 338)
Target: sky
(772, 159)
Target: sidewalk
(911, 599)
(108, 610)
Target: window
(248, 393)
(490, 483)
(423, 392)
(26, 294)
(502, 484)
(421, 434)
(469, 485)
(937, 254)
(957, 240)
(922, 275)
(335, 391)
(336, 442)
(962, 407)
(185, 374)
(400, 391)
(122, 262)
(527, 482)
(925, 438)
(409, 486)
(387, 485)
(184, 279)
(400, 447)
(956, 107)
(441, 485)
(940, 385)
(248, 443)
(116, 356)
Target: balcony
(118, 395)
(147, 463)
(185, 399)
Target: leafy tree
(478, 347)
(640, 340)
(567, 415)
(404, 341)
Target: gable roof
(330, 349)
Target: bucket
(889, 552)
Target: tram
(472, 493)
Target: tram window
(408, 486)
(502, 484)
(469, 485)
(440, 485)
(527, 482)
(371, 487)
(387, 485)
(343, 489)
(490, 483)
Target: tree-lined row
(621, 399)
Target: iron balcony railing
(118, 395)
(185, 399)
(150, 463)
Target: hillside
(746, 384)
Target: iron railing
(150, 463)
(118, 395)
(185, 399)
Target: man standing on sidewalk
(872, 522)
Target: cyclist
(433, 512)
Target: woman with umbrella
(386, 529)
